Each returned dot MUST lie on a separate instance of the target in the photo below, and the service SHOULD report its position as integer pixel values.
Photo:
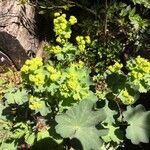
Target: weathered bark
(17, 30)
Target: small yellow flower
(63, 15)
(82, 42)
(56, 14)
(67, 35)
(35, 103)
(63, 26)
(55, 77)
(38, 61)
(33, 67)
(79, 38)
(51, 69)
(128, 99)
(87, 39)
(81, 48)
(55, 21)
(57, 49)
(28, 62)
(115, 68)
(72, 84)
(72, 20)
(147, 69)
(25, 69)
(31, 77)
(39, 79)
(58, 39)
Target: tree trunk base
(17, 31)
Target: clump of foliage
(59, 103)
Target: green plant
(146, 3)
(56, 99)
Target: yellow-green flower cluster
(72, 20)
(35, 103)
(82, 41)
(32, 65)
(54, 49)
(37, 79)
(62, 27)
(59, 39)
(78, 65)
(72, 82)
(75, 89)
(139, 67)
(60, 24)
(75, 85)
(54, 73)
(115, 68)
(33, 70)
(126, 98)
(139, 74)
(136, 74)
(64, 90)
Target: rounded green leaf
(139, 124)
(79, 122)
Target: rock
(17, 30)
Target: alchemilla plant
(58, 102)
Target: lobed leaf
(79, 122)
(18, 96)
(139, 124)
